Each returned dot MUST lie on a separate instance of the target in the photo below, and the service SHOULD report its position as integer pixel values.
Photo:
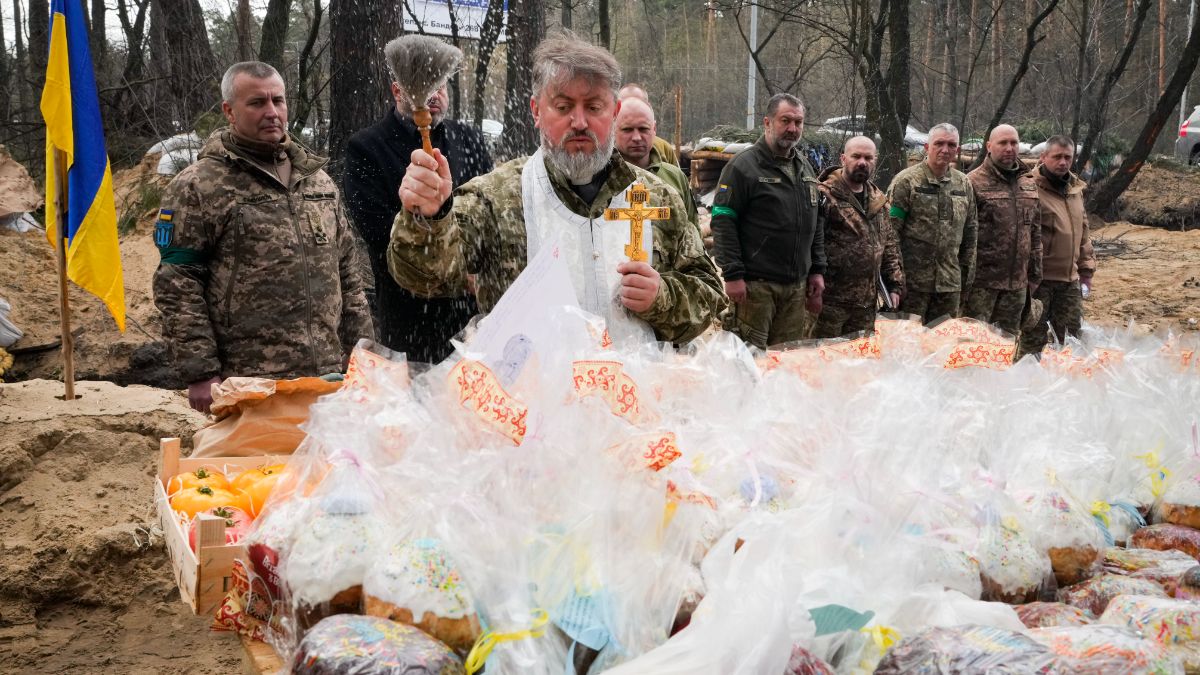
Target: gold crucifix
(637, 214)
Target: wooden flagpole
(60, 244)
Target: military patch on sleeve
(164, 229)
(722, 188)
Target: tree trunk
(525, 31)
(20, 66)
(241, 26)
(489, 33)
(565, 18)
(274, 33)
(135, 44)
(1096, 123)
(305, 65)
(98, 37)
(193, 74)
(1162, 45)
(358, 94)
(1031, 42)
(605, 24)
(1081, 55)
(39, 43)
(1104, 198)
(455, 81)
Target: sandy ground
(1155, 283)
(85, 584)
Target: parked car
(1187, 146)
(856, 125)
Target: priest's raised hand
(427, 183)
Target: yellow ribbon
(1100, 510)
(487, 642)
(884, 638)
(1158, 473)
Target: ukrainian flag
(71, 108)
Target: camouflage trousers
(997, 307)
(836, 321)
(771, 314)
(1062, 308)
(930, 306)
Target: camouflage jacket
(256, 279)
(483, 234)
(934, 219)
(1009, 254)
(859, 244)
(672, 175)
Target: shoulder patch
(722, 188)
(164, 228)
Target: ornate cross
(637, 214)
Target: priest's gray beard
(579, 167)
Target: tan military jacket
(936, 223)
(1066, 241)
(484, 235)
(257, 279)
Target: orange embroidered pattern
(480, 391)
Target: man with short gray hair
(493, 225)
(769, 234)
(933, 214)
(259, 273)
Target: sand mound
(18, 193)
(28, 280)
(1163, 195)
(85, 583)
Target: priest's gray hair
(256, 69)
(564, 57)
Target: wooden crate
(258, 658)
(203, 576)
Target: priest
(492, 226)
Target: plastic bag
(967, 649)
(257, 416)
(1106, 649)
(368, 645)
(1053, 614)
(9, 333)
(1095, 593)
(1165, 536)
(1169, 622)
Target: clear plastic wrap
(1172, 623)
(1106, 649)
(368, 645)
(1131, 560)
(1053, 614)
(1166, 536)
(1095, 593)
(967, 649)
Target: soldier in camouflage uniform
(933, 213)
(481, 228)
(1008, 257)
(860, 246)
(259, 271)
(1068, 262)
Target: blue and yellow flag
(71, 109)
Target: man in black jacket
(769, 233)
(376, 159)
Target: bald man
(861, 247)
(1008, 263)
(635, 141)
(666, 151)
